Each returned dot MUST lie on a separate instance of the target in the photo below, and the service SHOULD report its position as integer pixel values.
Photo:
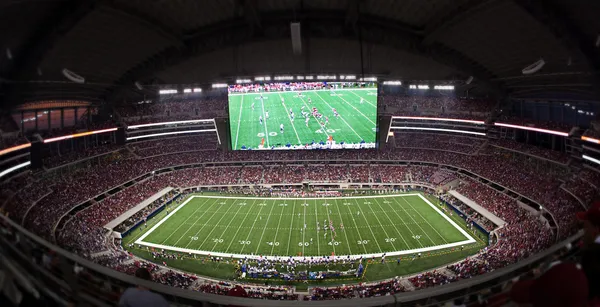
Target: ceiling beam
(320, 24)
(445, 19)
(52, 29)
(552, 16)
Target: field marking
(265, 228)
(361, 113)
(291, 122)
(250, 232)
(342, 118)
(227, 227)
(427, 221)
(404, 223)
(277, 230)
(344, 230)
(368, 224)
(194, 224)
(303, 227)
(357, 230)
(291, 227)
(140, 239)
(213, 229)
(317, 220)
(262, 103)
(366, 255)
(394, 224)
(330, 222)
(313, 116)
(238, 230)
(304, 198)
(386, 234)
(189, 217)
(321, 90)
(423, 230)
(365, 98)
(239, 122)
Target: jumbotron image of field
(342, 117)
(252, 227)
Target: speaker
(296, 37)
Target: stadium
(294, 152)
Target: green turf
(357, 122)
(256, 226)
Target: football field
(250, 226)
(357, 122)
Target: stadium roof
(115, 43)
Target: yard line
(239, 121)
(313, 116)
(344, 231)
(363, 97)
(227, 227)
(262, 103)
(276, 230)
(372, 122)
(393, 224)
(189, 217)
(332, 240)
(238, 230)
(265, 228)
(341, 117)
(357, 230)
(317, 220)
(419, 213)
(203, 225)
(426, 234)
(303, 231)
(384, 231)
(250, 232)
(291, 122)
(371, 229)
(291, 229)
(404, 223)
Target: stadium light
(197, 90)
(262, 78)
(299, 77)
(171, 123)
(326, 77)
(477, 122)
(165, 92)
(438, 129)
(76, 135)
(591, 159)
(219, 85)
(412, 87)
(282, 78)
(14, 168)
(187, 90)
(170, 133)
(347, 77)
(14, 148)
(591, 140)
(308, 77)
(444, 87)
(243, 81)
(369, 79)
(423, 87)
(532, 129)
(392, 83)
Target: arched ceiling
(114, 43)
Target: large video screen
(303, 115)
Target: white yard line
(313, 116)
(262, 103)
(357, 110)
(197, 232)
(369, 225)
(250, 232)
(291, 122)
(328, 219)
(317, 220)
(140, 239)
(344, 230)
(357, 229)
(365, 98)
(277, 230)
(229, 224)
(238, 125)
(303, 230)
(427, 221)
(184, 222)
(393, 224)
(238, 230)
(404, 223)
(265, 228)
(291, 229)
(341, 117)
(213, 229)
(415, 221)
(384, 231)
(436, 209)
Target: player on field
(252, 105)
(299, 94)
(260, 119)
(281, 128)
(335, 113)
(322, 126)
(282, 100)
(267, 115)
(292, 115)
(326, 120)
(309, 101)
(261, 97)
(361, 100)
(306, 120)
